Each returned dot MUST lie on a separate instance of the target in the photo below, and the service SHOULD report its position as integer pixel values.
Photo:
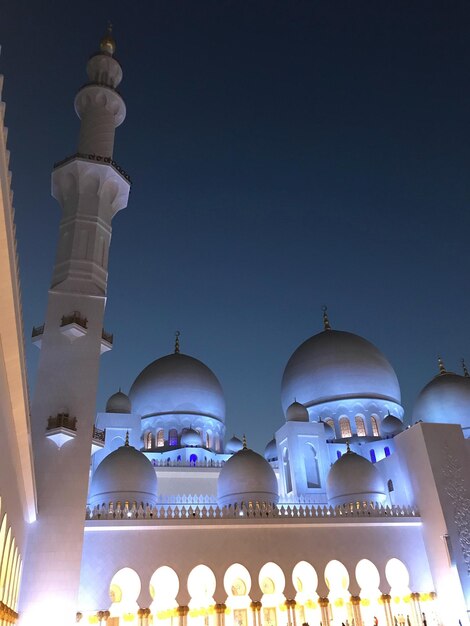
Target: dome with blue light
(247, 477)
(125, 475)
(178, 384)
(444, 400)
(351, 479)
(335, 365)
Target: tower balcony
(106, 341)
(61, 428)
(74, 326)
(36, 335)
(98, 439)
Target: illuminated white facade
(146, 514)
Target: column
(325, 617)
(182, 614)
(220, 611)
(385, 599)
(356, 609)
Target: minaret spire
(177, 342)
(326, 321)
(465, 370)
(442, 369)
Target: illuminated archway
(337, 580)
(201, 588)
(272, 582)
(237, 585)
(164, 587)
(305, 581)
(124, 589)
(398, 578)
(368, 579)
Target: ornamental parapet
(74, 318)
(62, 420)
(99, 435)
(140, 511)
(96, 158)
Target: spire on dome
(348, 449)
(245, 447)
(326, 321)
(107, 43)
(465, 370)
(177, 342)
(442, 369)
(127, 439)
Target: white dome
(246, 477)
(178, 383)
(296, 412)
(118, 403)
(270, 452)
(354, 479)
(233, 445)
(125, 475)
(335, 365)
(191, 437)
(391, 425)
(444, 400)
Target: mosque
(147, 513)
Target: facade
(145, 513)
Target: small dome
(247, 477)
(270, 452)
(119, 403)
(178, 384)
(233, 445)
(296, 412)
(391, 425)
(124, 475)
(337, 365)
(444, 400)
(191, 437)
(354, 479)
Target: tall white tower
(91, 188)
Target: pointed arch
(345, 427)
(375, 426)
(360, 426)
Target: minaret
(91, 188)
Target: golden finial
(177, 342)
(326, 321)
(348, 449)
(107, 44)
(127, 439)
(442, 369)
(245, 447)
(465, 370)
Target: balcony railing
(37, 331)
(62, 420)
(74, 318)
(107, 336)
(99, 435)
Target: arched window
(360, 426)
(338, 454)
(287, 476)
(330, 422)
(390, 485)
(193, 459)
(148, 441)
(311, 466)
(160, 438)
(372, 456)
(208, 440)
(173, 437)
(387, 451)
(345, 427)
(375, 426)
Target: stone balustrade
(133, 511)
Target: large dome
(336, 365)
(179, 384)
(124, 475)
(444, 400)
(247, 477)
(354, 479)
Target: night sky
(284, 155)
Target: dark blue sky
(284, 155)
